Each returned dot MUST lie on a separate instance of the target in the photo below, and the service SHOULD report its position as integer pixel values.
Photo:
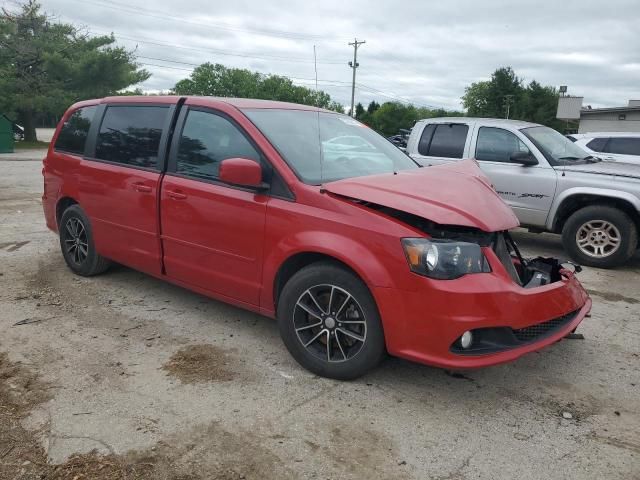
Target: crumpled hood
(453, 194)
(620, 169)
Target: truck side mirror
(526, 159)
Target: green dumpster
(6, 135)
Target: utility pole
(353, 66)
(507, 104)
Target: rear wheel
(600, 236)
(76, 243)
(329, 322)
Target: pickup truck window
(425, 139)
(497, 145)
(73, 134)
(448, 140)
(556, 148)
(131, 134)
(624, 146)
(206, 140)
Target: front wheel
(600, 236)
(329, 322)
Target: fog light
(466, 339)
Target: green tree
(220, 81)
(45, 66)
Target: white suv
(620, 147)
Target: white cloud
(425, 52)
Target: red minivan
(310, 217)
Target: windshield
(343, 148)
(557, 148)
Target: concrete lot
(170, 384)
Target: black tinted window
(206, 140)
(73, 134)
(624, 146)
(425, 139)
(497, 145)
(448, 141)
(131, 135)
(597, 144)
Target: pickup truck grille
(535, 332)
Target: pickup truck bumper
(506, 320)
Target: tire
(76, 243)
(349, 355)
(600, 236)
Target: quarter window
(447, 141)
(131, 135)
(206, 140)
(497, 145)
(624, 146)
(73, 134)
(597, 144)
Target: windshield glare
(555, 146)
(342, 148)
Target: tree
(220, 81)
(45, 66)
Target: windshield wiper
(569, 158)
(592, 159)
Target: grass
(22, 145)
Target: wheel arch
(61, 205)
(571, 202)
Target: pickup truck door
(212, 232)
(530, 190)
(440, 143)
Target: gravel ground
(124, 376)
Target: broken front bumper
(507, 320)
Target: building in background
(611, 119)
(615, 119)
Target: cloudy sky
(424, 52)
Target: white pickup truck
(551, 183)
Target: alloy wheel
(76, 243)
(329, 323)
(598, 238)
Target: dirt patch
(199, 364)
(613, 297)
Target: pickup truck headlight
(444, 259)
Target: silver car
(550, 182)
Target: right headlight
(444, 259)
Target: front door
(530, 190)
(118, 182)
(212, 233)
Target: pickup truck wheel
(600, 236)
(76, 243)
(329, 322)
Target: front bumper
(423, 325)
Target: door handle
(142, 188)
(176, 195)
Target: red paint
(229, 243)
(241, 171)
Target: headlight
(444, 259)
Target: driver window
(497, 145)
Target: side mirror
(242, 172)
(526, 159)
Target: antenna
(315, 67)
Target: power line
(214, 25)
(218, 51)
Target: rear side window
(448, 140)
(624, 145)
(73, 134)
(497, 145)
(425, 139)
(131, 135)
(206, 140)
(597, 144)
